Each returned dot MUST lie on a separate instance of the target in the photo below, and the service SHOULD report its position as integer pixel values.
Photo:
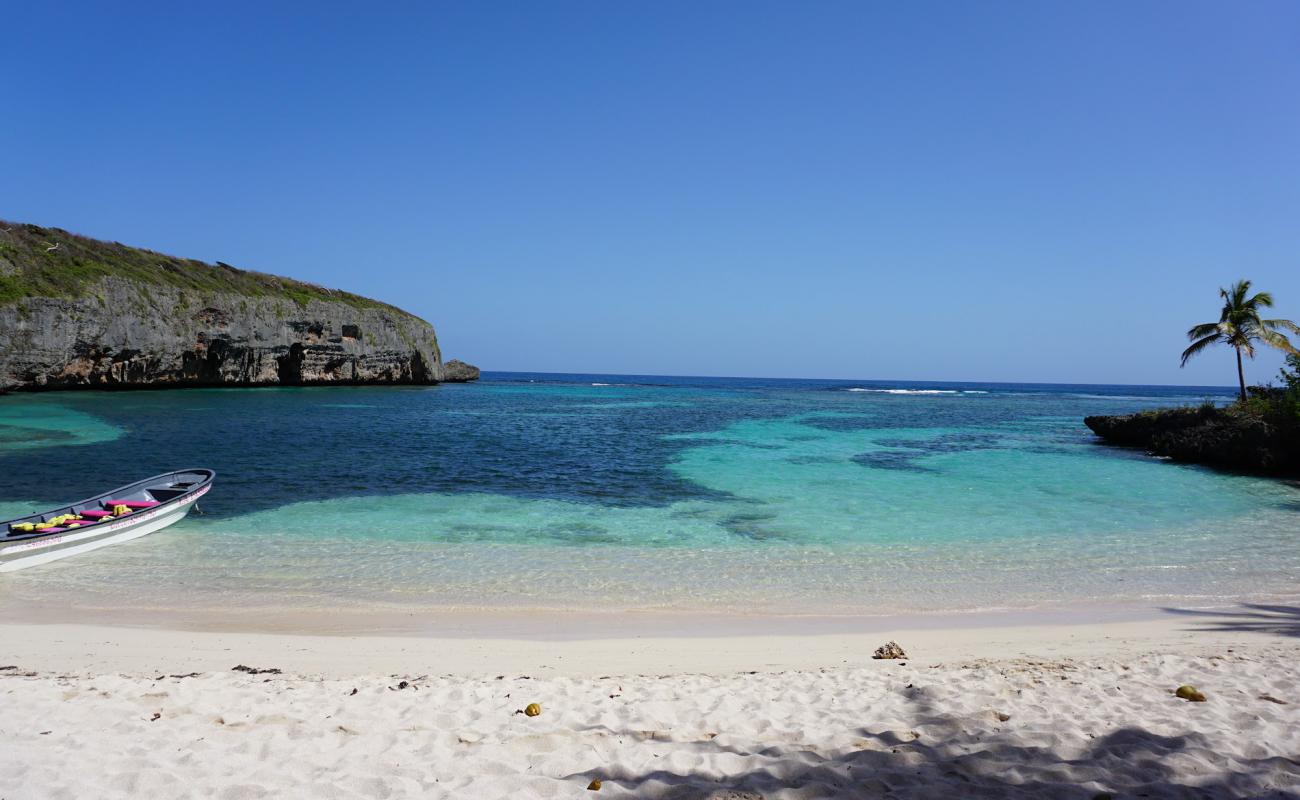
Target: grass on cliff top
(30, 266)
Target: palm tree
(1239, 325)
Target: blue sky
(937, 190)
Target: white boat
(125, 513)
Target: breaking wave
(905, 391)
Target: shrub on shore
(1278, 404)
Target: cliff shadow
(1275, 620)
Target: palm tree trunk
(1241, 376)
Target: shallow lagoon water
(616, 492)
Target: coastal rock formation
(230, 340)
(1230, 438)
(76, 312)
(457, 371)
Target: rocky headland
(1239, 437)
(76, 312)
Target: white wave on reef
(905, 391)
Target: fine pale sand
(1026, 711)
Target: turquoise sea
(593, 492)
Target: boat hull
(30, 553)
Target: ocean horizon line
(491, 373)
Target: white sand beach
(1048, 710)
(657, 400)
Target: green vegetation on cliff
(51, 262)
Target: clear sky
(1021, 191)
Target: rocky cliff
(1232, 438)
(77, 312)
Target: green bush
(1277, 405)
(1290, 400)
(1290, 374)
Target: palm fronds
(1199, 345)
(1240, 327)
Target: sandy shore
(1046, 710)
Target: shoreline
(367, 618)
(617, 643)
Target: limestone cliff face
(198, 324)
(125, 334)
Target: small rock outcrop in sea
(889, 650)
(80, 313)
(456, 371)
(1231, 438)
